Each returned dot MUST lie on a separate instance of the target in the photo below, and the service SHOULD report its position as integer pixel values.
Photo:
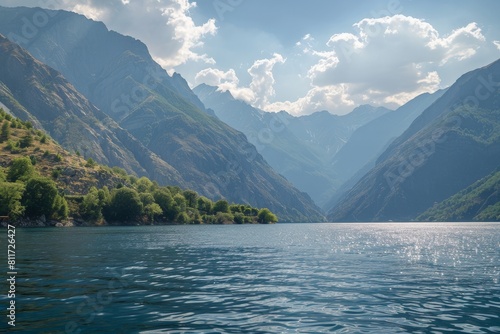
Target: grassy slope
(73, 175)
(478, 202)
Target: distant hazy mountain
(365, 145)
(454, 143)
(300, 148)
(117, 74)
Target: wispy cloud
(166, 26)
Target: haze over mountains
(390, 167)
(101, 93)
(300, 148)
(320, 152)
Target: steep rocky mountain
(369, 141)
(300, 148)
(117, 74)
(73, 174)
(56, 107)
(454, 143)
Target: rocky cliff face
(454, 143)
(36, 92)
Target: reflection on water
(320, 278)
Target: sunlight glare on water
(317, 278)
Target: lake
(314, 278)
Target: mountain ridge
(369, 141)
(147, 103)
(45, 92)
(435, 158)
(300, 148)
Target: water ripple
(320, 278)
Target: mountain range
(319, 153)
(389, 167)
(125, 95)
(452, 144)
(100, 94)
(300, 148)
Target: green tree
(60, 208)
(177, 205)
(5, 132)
(104, 196)
(39, 197)
(174, 190)
(249, 211)
(204, 205)
(153, 210)
(132, 179)
(221, 206)
(265, 216)
(163, 198)
(3, 175)
(90, 163)
(234, 208)
(143, 185)
(33, 159)
(26, 141)
(10, 199)
(181, 202)
(224, 218)
(146, 199)
(239, 218)
(20, 169)
(91, 207)
(125, 205)
(191, 198)
(183, 218)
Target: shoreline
(42, 223)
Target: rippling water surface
(318, 278)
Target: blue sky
(306, 56)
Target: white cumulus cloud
(225, 81)
(263, 79)
(388, 61)
(261, 88)
(331, 98)
(186, 33)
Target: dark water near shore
(318, 278)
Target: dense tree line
(146, 202)
(24, 193)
